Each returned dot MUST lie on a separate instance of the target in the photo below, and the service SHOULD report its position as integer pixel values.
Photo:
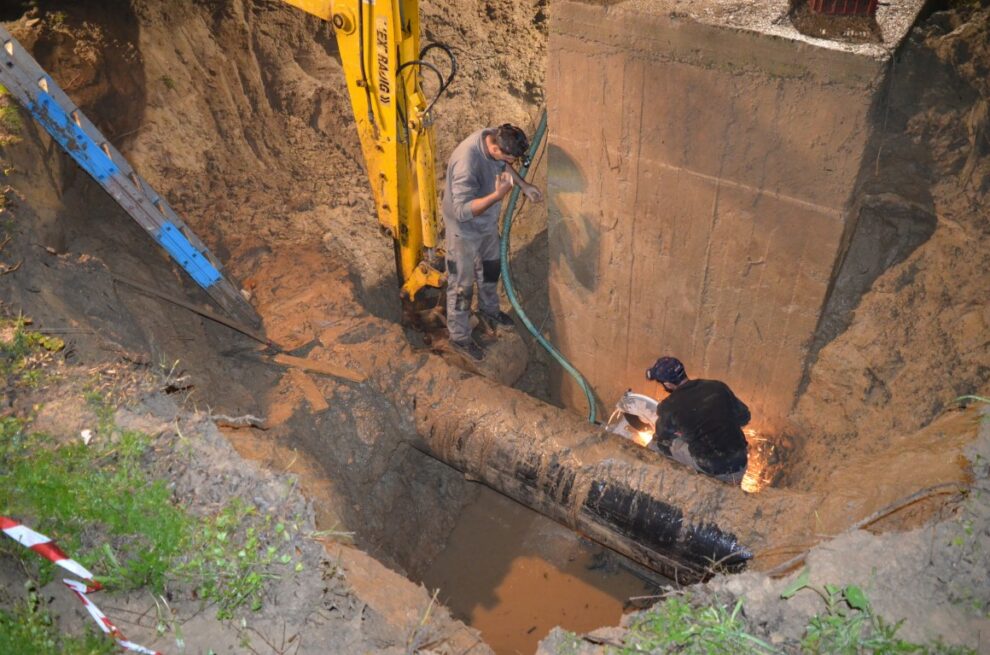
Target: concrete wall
(699, 185)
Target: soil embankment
(913, 332)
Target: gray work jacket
(471, 174)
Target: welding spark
(643, 438)
(757, 474)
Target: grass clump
(73, 491)
(677, 625)
(100, 505)
(29, 629)
(847, 626)
(11, 123)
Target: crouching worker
(699, 423)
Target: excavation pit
(732, 294)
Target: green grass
(10, 118)
(684, 625)
(676, 625)
(11, 123)
(29, 630)
(99, 503)
(100, 492)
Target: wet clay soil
(504, 570)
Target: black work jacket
(707, 415)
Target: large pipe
(642, 505)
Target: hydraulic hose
(510, 290)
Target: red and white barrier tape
(80, 590)
(45, 547)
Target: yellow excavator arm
(383, 63)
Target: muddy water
(506, 570)
(513, 575)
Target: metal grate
(843, 7)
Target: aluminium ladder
(24, 78)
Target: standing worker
(479, 175)
(699, 423)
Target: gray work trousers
(471, 258)
(681, 453)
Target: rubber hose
(510, 291)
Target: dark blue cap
(667, 369)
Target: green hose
(510, 291)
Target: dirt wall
(918, 338)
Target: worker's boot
(494, 321)
(469, 349)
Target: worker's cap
(667, 369)
(511, 140)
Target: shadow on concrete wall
(576, 233)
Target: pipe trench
(634, 501)
(642, 505)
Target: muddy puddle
(514, 575)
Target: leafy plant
(235, 554)
(850, 626)
(22, 349)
